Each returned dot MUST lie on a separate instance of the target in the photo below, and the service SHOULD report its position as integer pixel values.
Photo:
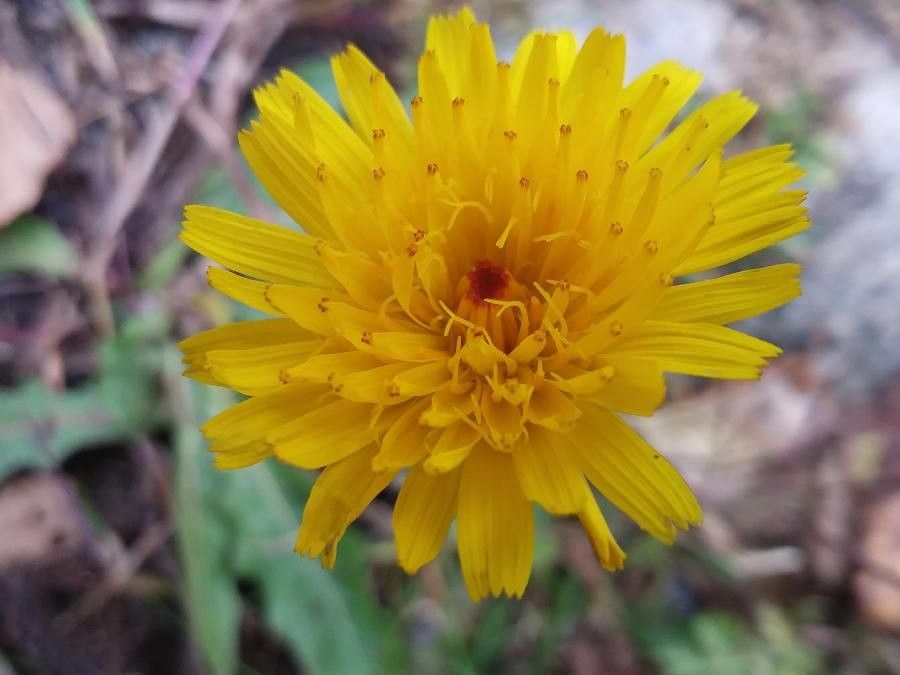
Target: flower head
(482, 286)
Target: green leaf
(213, 605)
(241, 525)
(41, 427)
(301, 602)
(32, 244)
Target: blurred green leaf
(41, 427)
(164, 266)
(210, 593)
(240, 526)
(301, 602)
(722, 644)
(32, 244)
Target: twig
(140, 165)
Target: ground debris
(38, 129)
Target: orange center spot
(487, 280)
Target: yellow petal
(609, 553)
(241, 457)
(240, 335)
(308, 307)
(332, 367)
(331, 142)
(404, 443)
(448, 37)
(654, 99)
(370, 386)
(701, 349)
(249, 292)
(422, 380)
(424, 510)
(732, 297)
(370, 102)
(253, 247)
(495, 526)
(451, 448)
(287, 175)
(413, 347)
(702, 133)
(242, 428)
(324, 435)
(637, 386)
(447, 408)
(363, 280)
(633, 476)
(550, 473)
(340, 494)
(551, 408)
(257, 370)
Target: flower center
(487, 280)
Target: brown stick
(140, 164)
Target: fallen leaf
(37, 130)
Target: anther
(621, 166)
(616, 328)
(366, 338)
(393, 390)
(323, 305)
(503, 65)
(458, 102)
(581, 176)
(283, 376)
(553, 82)
(651, 246)
(524, 182)
(608, 373)
(321, 173)
(377, 134)
(565, 129)
(510, 134)
(666, 279)
(378, 173)
(616, 228)
(411, 250)
(416, 101)
(432, 169)
(318, 246)
(374, 77)
(418, 235)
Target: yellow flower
(480, 290)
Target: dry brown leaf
(36, 132)
(877, 584)
(39, 518)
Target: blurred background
(122, 551)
